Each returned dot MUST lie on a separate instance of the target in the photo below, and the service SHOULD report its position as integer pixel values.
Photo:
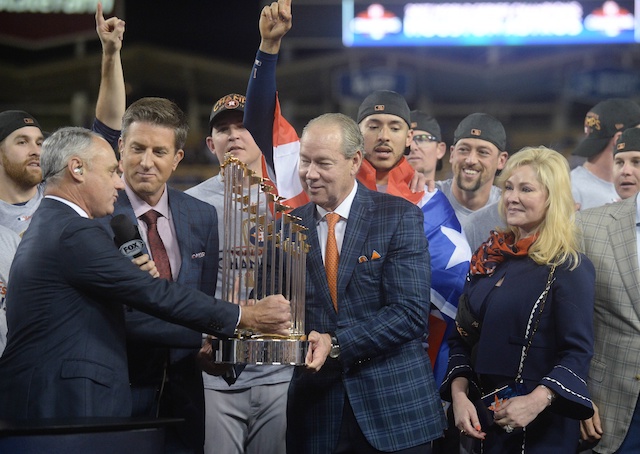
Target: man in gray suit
(610, 240)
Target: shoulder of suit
(183, 197)
(611, 209)
(385, 201)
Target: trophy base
(285, 352)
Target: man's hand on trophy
(270, 315)
(319, 349)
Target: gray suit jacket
(609, 240)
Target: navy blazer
(383, 306)
(508, 303)
(196, 230)
(65, 354)
(152, 341)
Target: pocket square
(198, 255)
(375, 255)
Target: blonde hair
(557, 240)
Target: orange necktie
(332, 258)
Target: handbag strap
(542, 299)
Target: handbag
(467, 324)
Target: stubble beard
(471, 186)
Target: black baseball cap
(385, 102)
(425, 122)
(603, 121)
(12, 120)
(629, 140)
(230, 102)
(482, 126)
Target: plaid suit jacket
(609, 240)
(382, 314)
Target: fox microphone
(127, 237)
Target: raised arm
(111, 102)
(275, 22)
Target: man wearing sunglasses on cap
(427, 148)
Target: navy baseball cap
(629, 140)
(603, 121)
(385, 102)
(482, 126)
(12, 120)
(425, 122)
(231, 102)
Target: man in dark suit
(164, 376)
(373, 390)
(66, 354)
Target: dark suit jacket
(66, 354)
(383, 307)
(559, 356)
(152, 341)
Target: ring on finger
(508, 429)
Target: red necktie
(331, 258)
(156, 246)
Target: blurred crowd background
(196, 51)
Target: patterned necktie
(332, 258)
(156, 246)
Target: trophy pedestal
(260, 351)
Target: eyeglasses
(423, 139)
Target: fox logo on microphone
(132, 248)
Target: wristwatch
(335, 348)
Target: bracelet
(551, 396)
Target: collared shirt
(321, 221)
(166, 227)
(75, 207)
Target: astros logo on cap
(591, 121)
(229, 102)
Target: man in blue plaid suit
(368, 385)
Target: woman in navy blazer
(532, 294)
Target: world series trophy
(264, 253)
